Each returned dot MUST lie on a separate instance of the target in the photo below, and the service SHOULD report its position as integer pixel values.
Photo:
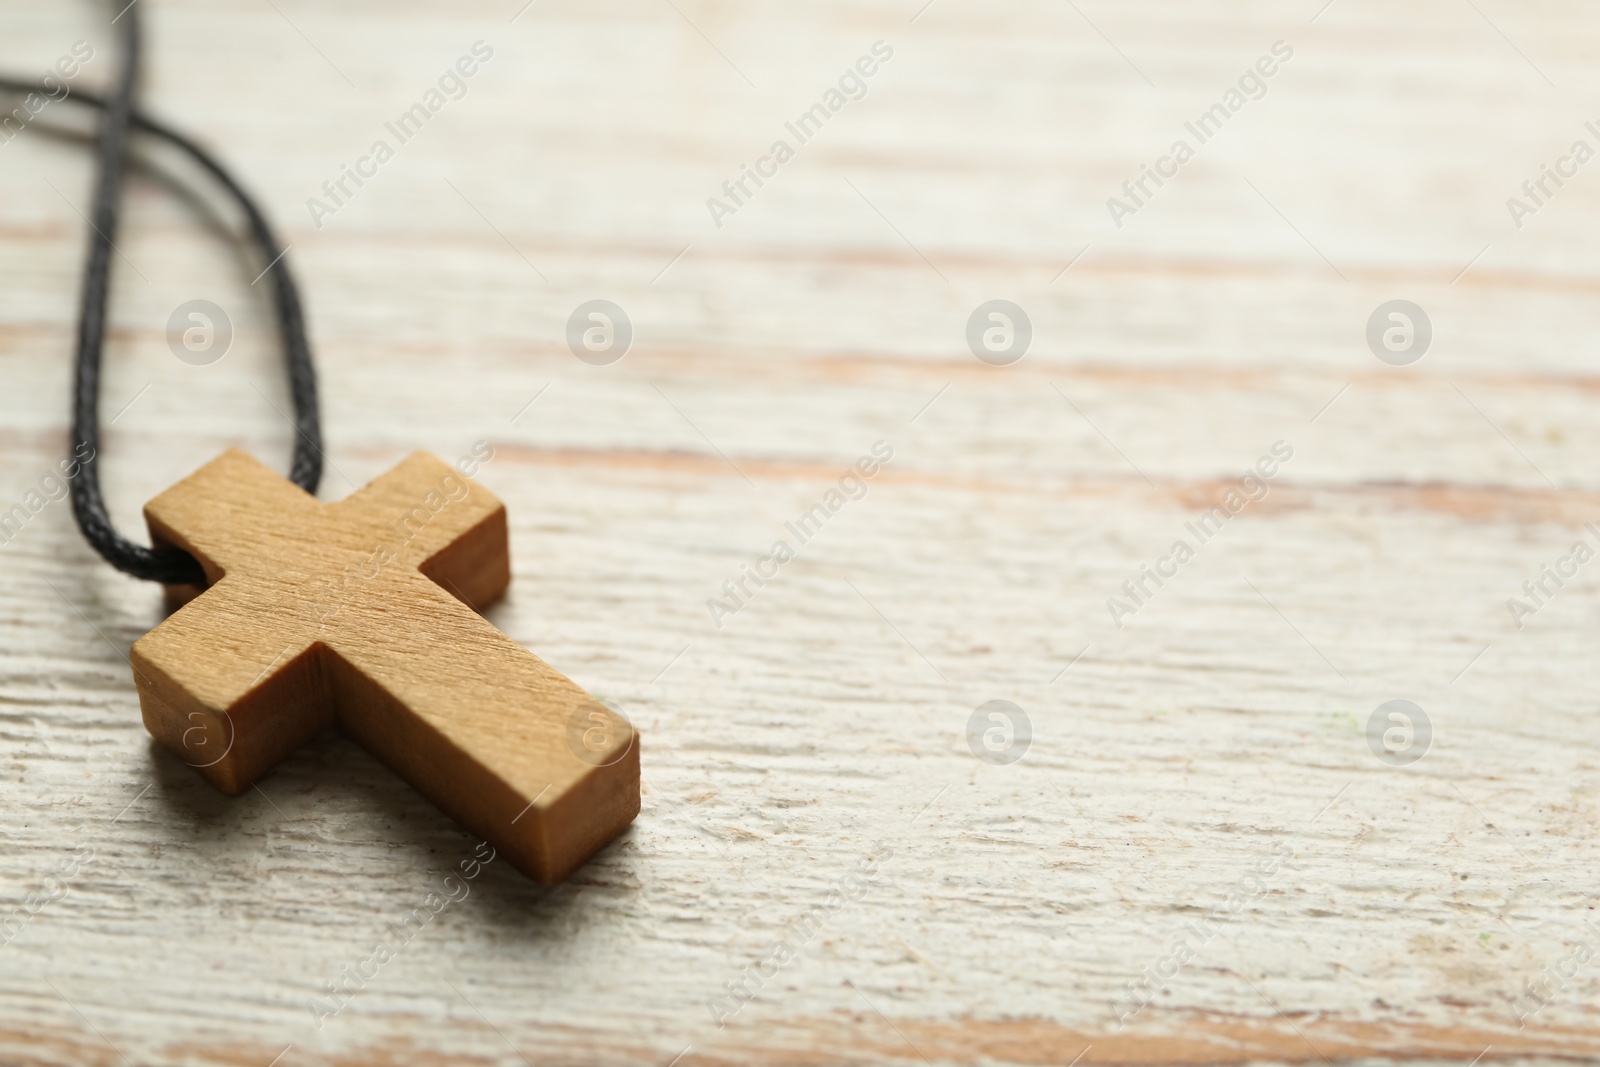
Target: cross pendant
(363, 612)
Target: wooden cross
(363, 612)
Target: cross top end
(365, 612)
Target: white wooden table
(1215, 744)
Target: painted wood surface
(1198, 798)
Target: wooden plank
(818, 741)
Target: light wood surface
(1205, 767)
(364, 613)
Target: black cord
(171, 566)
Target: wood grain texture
(364, 613)
(826, 721)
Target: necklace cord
(168, 565)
